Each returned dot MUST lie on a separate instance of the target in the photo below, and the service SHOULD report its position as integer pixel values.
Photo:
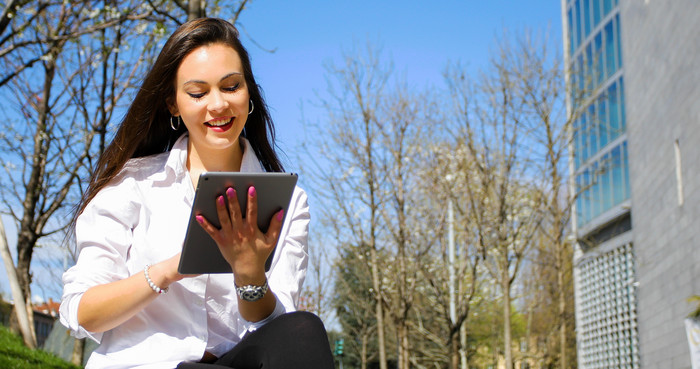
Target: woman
(199, 109)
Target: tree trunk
(30, 224)
(374, 258)
(454, 354)
(401, 326)
(562, 307)
(463, 347)
(404, 356)
(363, 351)
(379, 311)
(25, 248)
(78, 352)
(507, 339)
(195, 10)
(454, 350)
(25, 325)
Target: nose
(217, 101)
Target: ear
(172, 106)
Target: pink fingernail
(251, 191)
(230, 192)
(200, 219)
(220, 200)
(280, 215)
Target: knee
(305, 320)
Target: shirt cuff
(253, 326)
(69, 318)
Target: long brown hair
(145, 129)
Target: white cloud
(36, 299)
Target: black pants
(290, 341)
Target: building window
(603, 184)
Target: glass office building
(600, 156)
(633, 82)
(605, 265)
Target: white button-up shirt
(141, 218)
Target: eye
(196, 96)
(232, 88)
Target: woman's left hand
(244, 246)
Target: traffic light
(338, 351)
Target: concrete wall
(661, 59)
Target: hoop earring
(175, 126)
(252, 107)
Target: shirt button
(199, 302)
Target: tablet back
(200, 254)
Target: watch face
(251, 293)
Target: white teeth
(219, 123)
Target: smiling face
(211, 97)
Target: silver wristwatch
(251, 292)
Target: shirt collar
(249, 162)
(177, 158)
(176, 164)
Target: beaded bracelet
(153, 286)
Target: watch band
(251, 292)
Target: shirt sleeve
(253, 326)
(104, 233)
(288, 270)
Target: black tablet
(200, 254)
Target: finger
(234, 207)
(252, 210)
(222, 212)
(208, 227)
(273, 232)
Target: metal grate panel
(607, 335)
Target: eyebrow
(196, 81)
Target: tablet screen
(200, 254)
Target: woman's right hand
(241, 242)
(165, 273)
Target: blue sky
(419, 37)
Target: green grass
(14, 355)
